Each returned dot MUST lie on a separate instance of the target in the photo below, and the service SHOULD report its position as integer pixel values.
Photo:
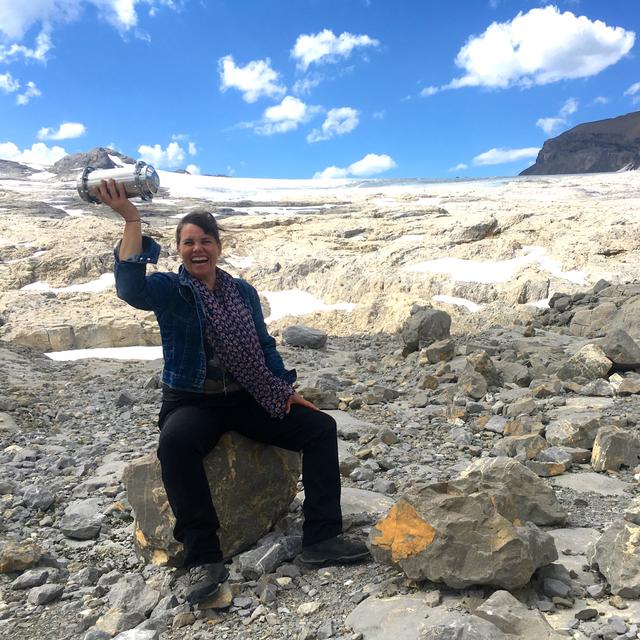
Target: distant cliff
(592, 147)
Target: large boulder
(614, 448)
(590, 362)
(298, 335)
(621, 349)
(616, 554)
(252, 485)
(437, 534)
(423, 327)
(574, 428)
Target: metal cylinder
(139, 180)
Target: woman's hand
(296, 398)
(114, 195)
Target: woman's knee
(324, 425)
(182, 434)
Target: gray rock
(621, 349)
(589, 362)
(423, 327)
(592, 483)
(526, 447)
(131, 593)
(599, 388)
(115, 621)
(138, 634)
(440, 351)
(241, 471)
(298, 335)
(83, 519)
(483, 364)
(98, 158)
(472, 383)
(574, 428)
(38, 497)
(265, 559)
(512, 617)
(8, 425)
(519, 493)
(617, 556)
(429, 530)
(614, 448)
(45, 594)
(31, 578)
(399, 617)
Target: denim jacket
(180, 314)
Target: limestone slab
(592, 483)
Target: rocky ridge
(592, 147)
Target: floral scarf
(231, 331)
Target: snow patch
(459, 302)
(114, 353)
(104, 282)
(295, 302)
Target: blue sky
(303, 88)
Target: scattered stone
(309, 608)
(298, 335)
(614, 448)
(423, 327)
(587, 614)
(31, 578)
(264, 559)
(18, 556)
(440, 351)
(45, 594)
(38, 497)
(83, 519)
(131, 593)
(589, 362)
(617, 556)
(621, 349)
(524, 447)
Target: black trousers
(190, 429)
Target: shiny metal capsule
(139, 180)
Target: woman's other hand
(114, 195)
(296, 398)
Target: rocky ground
(553, 391)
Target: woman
(222, 372)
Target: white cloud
(549, 125)
(38, 154)
(379, 115)
(65, 131)
(429, 91)
(337, 123)
(325, 46)
(305, 85)
(633, 89)
(283, 117)
(553, 124)
(193, 169)
(539, 47)
(8, 84)
(370, 165)
(170, 158)
(192, 149)
(254, 80)
(31, 92)
(601, 100)
(18, 18)
(459, 167)
(503, 156)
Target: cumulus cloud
(459, 167)
(325, 46)
(601, 100)
(540, 47)
(254, 80)
(283, 117)
(8, 84)
(633, 89)
(429, 91)
(18, 18)
(65, 131)
(172, 157)
(30, 92)
(337, 123)
(306, 84)
(39, 153)
(370, 165)
(553, 124)
(193, 169)
(504, 156)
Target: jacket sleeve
(267, 342)
(133, 285)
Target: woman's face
(199, 252)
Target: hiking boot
(205, 580)
(338, 550)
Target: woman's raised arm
(113, 195)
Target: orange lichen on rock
(403, 532)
